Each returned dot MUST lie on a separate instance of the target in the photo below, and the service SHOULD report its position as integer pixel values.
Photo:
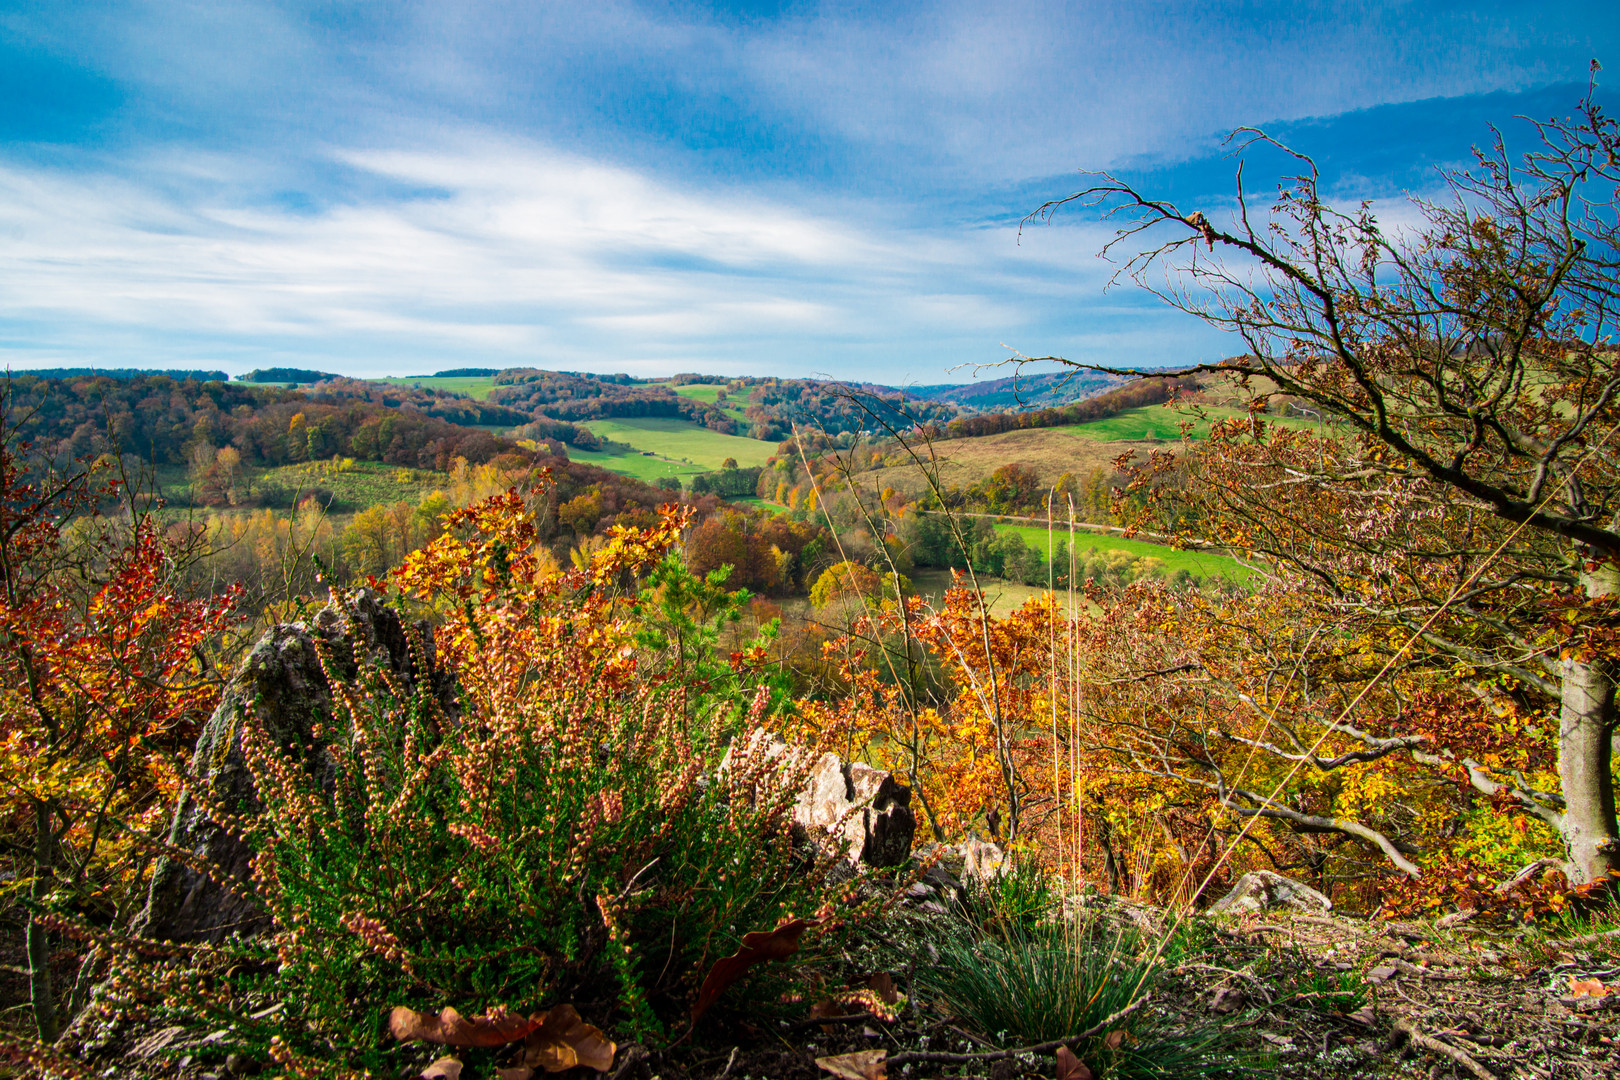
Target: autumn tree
(1457, 512)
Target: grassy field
(633, 463)
(477, 387)
(1153, 422)
(1051, 452)
(683, 442)
(1200, 564)
(706, 393)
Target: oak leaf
(757, 947)
(861, 1065)
(1587, 988)
(1070, 1067)
(446, 1068)
(563, 1040)
(494, 1028)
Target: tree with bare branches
(1460, 504)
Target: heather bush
(559, 832)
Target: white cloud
(498, 247)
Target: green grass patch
(1200, 564)
(476, 387)
(684, 442)
(706, 393)
(1161, 422)
(628, 462)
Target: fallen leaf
(861, 1065)
(1071, 1067)
(515, 1072)
(1116, 1038)
(1587, 988)
(757, 947)
(562, 1040)
(495, 1028)
(446, 1068)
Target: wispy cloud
(776, 187)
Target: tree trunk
(38, 946)
(1586, 729)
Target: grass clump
(1024, 984)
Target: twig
(1588, 939)
(939, 1057)
(1435, 1046)
(846, 1019)
(633, 1055)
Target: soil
(1297, 995)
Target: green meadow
(707, 392)
(682, 442)
(633, 463)
(1200, 564)
(1160, 422)
(476, 387)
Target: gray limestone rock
(1262, 890)
(852, 807)
(280, 685)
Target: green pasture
(1200, 564)
(683, 442)
(1159, 422)
(634, 463)
(476, 387)
(706, 393)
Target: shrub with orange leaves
(104, 679)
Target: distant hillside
(122, 373)
(1017, 392)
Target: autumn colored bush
(105, 676)
(562, 833)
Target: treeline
(166, 421)
(121, 373)
(775, 405)
(287, 375)
(560, 395)
(452, 408)
(1131, 396)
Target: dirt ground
(1295, 995)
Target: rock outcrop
(851, 807)
(1261, 890)
(281, 687)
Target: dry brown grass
(1051, 452)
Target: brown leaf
(446, 1068)
(882, 984)
(861, 1065)
(1587, 988)
(495, 1028)
(515, 1072)
(1070, 1067)
(1116, 1038)
(562, 1040)
(757, 947)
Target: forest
(542, 768)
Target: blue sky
(777, 188)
